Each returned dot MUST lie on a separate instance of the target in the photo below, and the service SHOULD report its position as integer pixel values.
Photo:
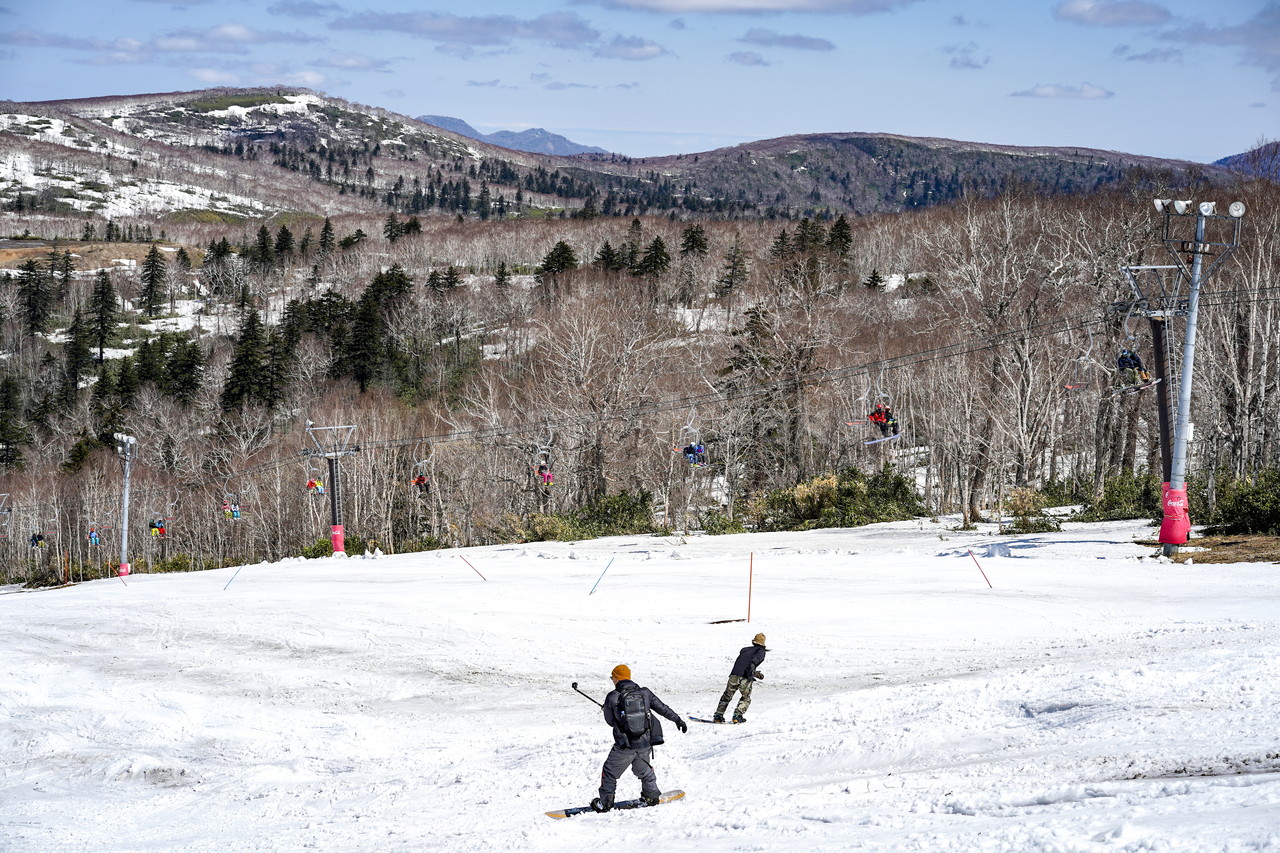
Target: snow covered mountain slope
(1092, 699)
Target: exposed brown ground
(91, 256)
(1230, 549)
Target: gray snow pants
(736, 683)
(616, 763)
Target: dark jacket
(1129, 359)
(748, 659)
(654, 736)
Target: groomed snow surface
(1095, 699)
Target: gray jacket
(654, 736)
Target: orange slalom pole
(473, 568)
(979, 565)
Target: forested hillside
(470, 349)
(466, 350)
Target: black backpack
(633, 713)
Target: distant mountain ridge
(535, 140)
(1261, 162)
(249, 153)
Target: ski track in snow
(1095, 699)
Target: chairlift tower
(1157, 295)
(332, 443)
(1215, 237)
(127, 450)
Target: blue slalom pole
(233, 577)
(606, 568)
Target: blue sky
(1170, 78)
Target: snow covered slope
(1095, 699)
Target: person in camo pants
(744, 674)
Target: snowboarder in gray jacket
(633, 740)
(744, 675)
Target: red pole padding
(1176, 525)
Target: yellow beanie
(758, 641)
(622, 672)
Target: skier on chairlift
(1130, 364)
(695, 453)
(315, 486)
(421, 483)
(882, 417)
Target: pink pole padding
(337, 537)
(979, 565)
(124, 569)
(1176, 525)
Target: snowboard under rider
(632, 750)
(743, 675)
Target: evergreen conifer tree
(840, 238)
(103, 312)
(154, 281)
(76, 356)
(247, 376)
(560, 259)
(327, 240)
(501, 276)
(264, 247)
(655, 260)
(283, 247)
(693, 241)
(184, 371)
(13, 431)
(127, 383)
(608, 258)
(35, 296)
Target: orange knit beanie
(622, 672)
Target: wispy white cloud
(1083, 92)
(215, 76)
(35, 38)
(747, 57)
(231, 37)
(772, 38)
(304, 9)
(631, 48)
(965, 57)
(1112, 13)
(680, 7)
(484, 84)
(1257, 39)
(562, 29)
(352, 62)
(546, 81)
(1169, 54)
